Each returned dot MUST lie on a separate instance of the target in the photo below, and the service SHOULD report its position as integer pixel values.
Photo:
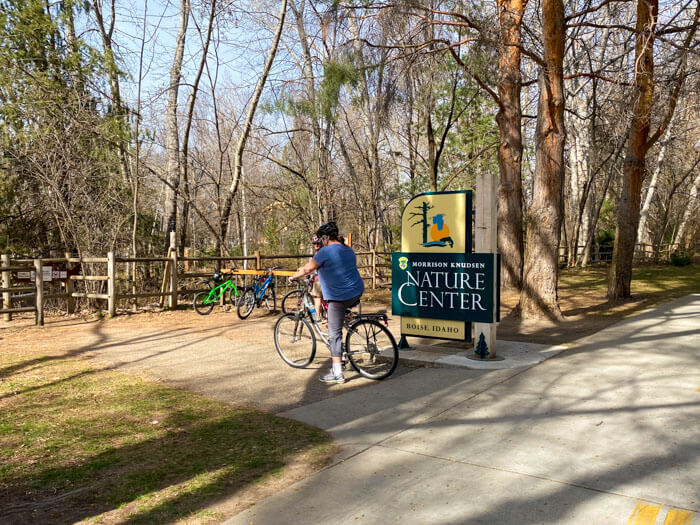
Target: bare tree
(540, 277)
(248, 124)
(640, 140)
(173, 167)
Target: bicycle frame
(261, 286)
(368, 344)
(219, 290)
(308, 302)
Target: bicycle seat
(353, 305)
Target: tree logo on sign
(439, 232)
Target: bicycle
(369, 345)
(293, 300)
(259, 294)
(203, 302)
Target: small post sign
(438, 286)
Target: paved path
(605, 432)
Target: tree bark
(539, 297)
(510, 150)
(188, 123)
(642, 235)
(245, 132)
(690, 209)
(172, 133)
(619, 285)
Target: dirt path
(217, 355)
(235, 361)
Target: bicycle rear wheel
(371, 349)
(246, 303)
(295, 340)
(203, 305)
(292, 301)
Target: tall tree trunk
(510, 150)
(248, 124)
(539, 296)
(172, 145)
(188, 122)
(320, 141)
(619, 285)
(689, 210)
(118, 108)
(642, 234)
(432, 164)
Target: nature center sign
(436, 288)
(454, 286)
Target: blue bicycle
(261, 294)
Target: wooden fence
(102, 280)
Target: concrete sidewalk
(607, 431)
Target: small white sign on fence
(47, 273)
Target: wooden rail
(374, 266)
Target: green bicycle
(204, 302)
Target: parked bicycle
(260, 294)
(369, 345)
(204, 302)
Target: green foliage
(607, 216)
(271, 233)
(335, 76)
(681, 259)
(57, 136)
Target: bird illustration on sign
(439, 231)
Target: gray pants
(336, 316)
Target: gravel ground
(217, 355)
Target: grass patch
(651, 285)
(82, 443)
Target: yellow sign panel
(435, 223)
(439, 328)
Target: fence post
(172, 301)
(70, 300)
(39, 282)
(6, 283)
(374, 269)
(258, 261)
(111, 286)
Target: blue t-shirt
(340, 279)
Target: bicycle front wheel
(292, 301)
(202, 303)
(246, 303)
(371, 349)
(295, 340)
(232, 296)
(269, 300)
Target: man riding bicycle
(342, 288)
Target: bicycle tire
(292, 335)
(269, 299)
(292, 301)
(246, 303)
(199, 305)
(371, 349)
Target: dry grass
(82, 443)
